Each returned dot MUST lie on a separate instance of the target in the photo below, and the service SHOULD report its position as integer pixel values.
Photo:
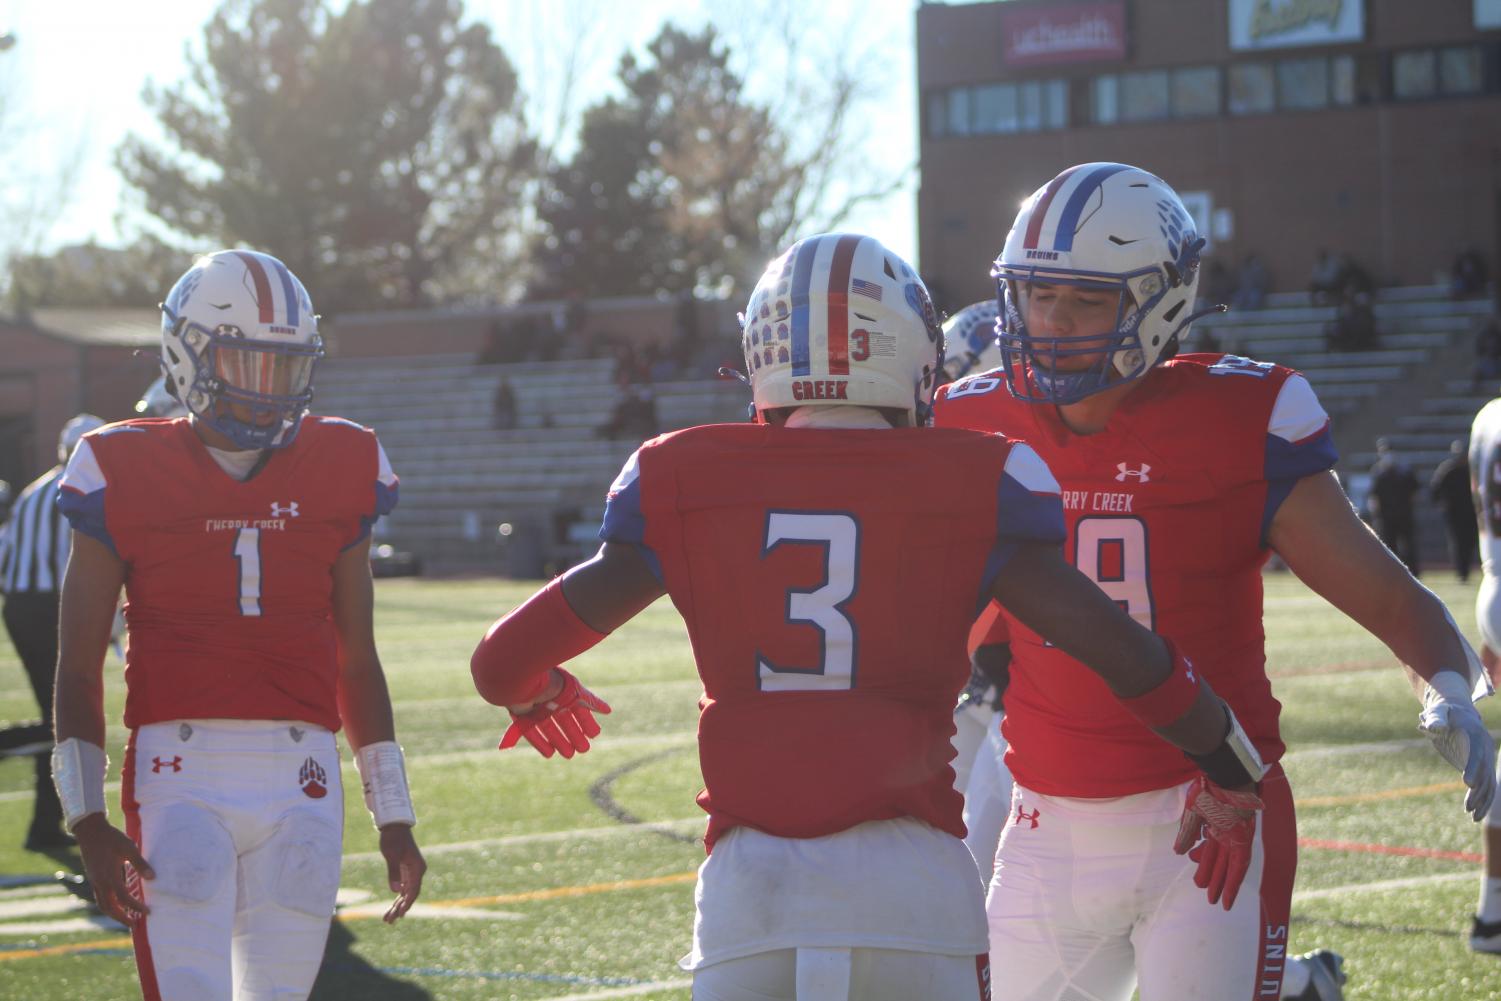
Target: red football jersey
(1167, 511)
(828, 578)
(228, 584)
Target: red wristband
(1172, 698)
(510, 664)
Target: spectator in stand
(1250, 289)
(1469, 275)
(505, 405)
(1326, 279)
(1487, 353)
(1354, 279)
(1354, 325)
(1393, 487)
(1219, 286)
(1450, 490)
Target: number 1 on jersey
(823, 607)
(248, 558)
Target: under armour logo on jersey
(313, 779)
(277, 510)
(1125, 470)
(157, 764)
(1022, 814)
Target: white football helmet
(1110, 228)
(969, 340)
(239, 342)
(839, 319)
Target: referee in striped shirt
(34, 549)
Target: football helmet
(1109, 228)
(839, 319)
(76, 428)
(239, 343)
(969, 341)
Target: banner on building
(1037, 35)
(1280, 24)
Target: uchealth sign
(1039, 34)
(1279, 24)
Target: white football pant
(1089, 901)
(243, 823)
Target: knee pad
(191, 853)
(304, 855)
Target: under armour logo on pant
(157, 764)
(1022, 814)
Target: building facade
(1371, 127)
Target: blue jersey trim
(1288, 462)
(85, 512)
(624, 523)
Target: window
(1106, 100)
(995, 108)
(958, 116)
(937, 115)
(1303, 83)
(1196, 92)
(1055, 104)
(1252, 89)
(1342, 80)
(1413, 75)
(1144, 96)
(1459, 70)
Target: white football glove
(1459, 734)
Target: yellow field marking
(504, 898)
(570, 891)
(1371, 797)
(63, 950)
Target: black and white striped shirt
(34, 543)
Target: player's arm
(1318, 534)
(517, 664)
(91, 586)
(365, 708)
(1063, 606)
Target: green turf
(538, 828)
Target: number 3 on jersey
(823, 607)
(1112, 552)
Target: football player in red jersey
(240, 534)
(1179, 476)
(828, 587)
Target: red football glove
(563, 723)
(1226, 821)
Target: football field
(554, 879)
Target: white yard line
(543, 837)
(626, 992)
(1302, 896)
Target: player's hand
(1459, 734)
(1225, 820)
(404, 869)
(562, 722)
(106, 851)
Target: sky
(71, 86)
